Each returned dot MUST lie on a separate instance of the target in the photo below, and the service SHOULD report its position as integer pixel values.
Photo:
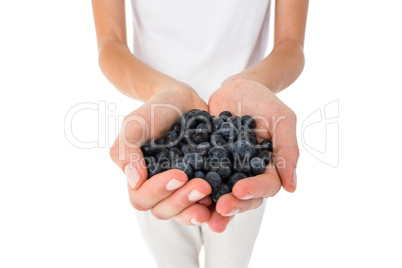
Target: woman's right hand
(167, 194)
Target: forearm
(128, 74)
(280, 68)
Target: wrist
(180, 93)
(246, 77)
(160, 84)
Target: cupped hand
(275, 121)
(168, 194)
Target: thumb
(285, 162)
(126, 150)
(286, 150)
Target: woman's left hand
(275, 121)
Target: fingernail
(247, 197)
(132, 175)
(174, 184)
(195, 222)
(294, 180)
(233, 212)
(231, 217)
(195, 195)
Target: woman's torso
(201, 42)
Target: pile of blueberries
(221, 150)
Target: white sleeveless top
(201, 42)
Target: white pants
(175, 245)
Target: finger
(193, 191)
(206, 201)
(229, 205)
(157, 188)
(286, 161)
(286, 150)
(126, 151)
(216, 105)
(217, 223)
(260, 186)
(193, 215)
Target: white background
(62, 206)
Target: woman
(185, 54)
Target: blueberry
(226, 162)
(186, 136)
(162, 149)
(148, 149)
(253, 141)
(203, 116)
(244, 128)
(165, 163)
(195, 160)
(186, 149)
(149, 160)
(171, 142)
(186, 168)
(162, 156)
(242, 149)
(213, 179)
(192, 123)
(229, 146)
(218, 152)
(177, 160)
(257, 150)
(257, 166)
(266, 145)
(154, 169)
(252, 133)
(235, 178)
(229, 130)
(242, 166)
(213, 162)
(248, 121)
(217, 149)
(221, 166)
(225, 115)
(265, 155)
(160, 141)
(217, 139)
(187, 121)
(203, 148)
(247, 137)
(176, 127)
(216, 123)
(173, 153)
(199, 174)
(222, 189)
(181, 144)
(243, 136)
(224, 172)
(200, 137)
(235, 120)
(207, 164)
(205, 127)
(173, 134)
